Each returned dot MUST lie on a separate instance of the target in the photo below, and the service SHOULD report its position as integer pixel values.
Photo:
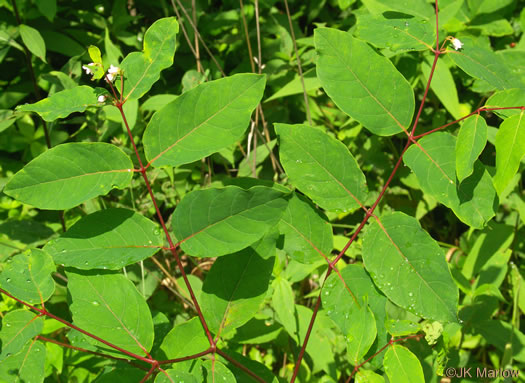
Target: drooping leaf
(484, 64)
(510, 149)
(473, 201)
(69, 174)
(405, 33)
(25, 366)
(215, 371)
(443, 85)
(505, 99)
(214, 222)
(107, 239)
(94, 54)
(471, 141)
(18, 326)
(361, 333)
(171, 376)
(307, 236)
(63, 103)
(236, 285)
(33, 41)
(402, 366)
(283, 303)
(109, 306)
(363, 84)
(321, 167)
(410, 268)
(203, 120)
(142, 69)
(187, 338)
(28, 276)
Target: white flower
(112, 72)
(87, 68)
(102, 98)
(457, 44)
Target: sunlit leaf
(471, 141)
(18, 327)
(402, 366)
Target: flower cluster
(113, 71)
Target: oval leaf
(109, 306)
(25, 366)
(307, 236)
(28, 276)
(321, 167)
(18, 327)
(363, 84)
(186, 338)
(63, 103)
(33, 41)
(108, 239)
(215, 371)
(142, 69)
(214, 222)
(510, 149)
(203, 120)
(410, 267)
(236, 286)
(401, 366)
(69, 174)
(434, 164)
(471, 141)
(505, 99)
(171, 376)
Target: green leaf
(443, 86)
(25, 366)
(505, 99)
(171, 376)
(214, 222)
(62, 104)
(215, 371)
(69, 174)
(33, 41)
(402, 366)
(419, 8)
(203, 120)
(510, 149)
(142, 69)
(471, 141)
(185, 339)
(361, 333)
(473, 201)
(307, 235)
(410, 268)
(18, 326)
(48, 8)
(28, 276)
(113, 52)
(367, 376)
(284, 305)
(321, 167)
(107, 239)
(95, 55)
(363, 84)
(403, 33)
(484, 64)
(311, 82)
(109, 306)
(236, 286)
(397, 327)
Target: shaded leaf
(443, 85)
(473, 201)
(69, 174)
(142, 69)
(284, 305)
(109, 306)
(203, 120)
(505, 99)
(186, 338)
(109, 239)
(402, 366)
(311, 82)
(410, 268)
(471, 141)
(28, 276)
(236, 285)
(63, 103)
(383, 103)
(321, 167)
(307, 235)
(33, 41)
(18, 326)
(510, 149)
(361, 333)
(215, 222)
(484, 64)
